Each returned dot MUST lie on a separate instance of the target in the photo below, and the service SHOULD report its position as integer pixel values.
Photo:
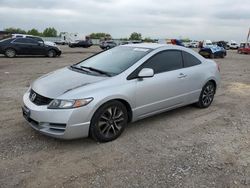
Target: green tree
(147, 39)
(50, 32)
(100, 35)
(135, 36)
(34, 32)
(15, 30)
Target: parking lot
(186, 147)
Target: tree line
(48, 32)
(52, 32)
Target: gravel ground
(186, 147)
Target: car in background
(105, 45)
(100, 95)
(244, 48)
(233, 45)
(213, 51)
(194, 44)
(33, 37)
(81, 43)
(177, 42)
(222, 44)
(207, 44)
(61, 42)
(27, 46)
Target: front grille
(39, 99)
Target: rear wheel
(10, 53)
(109, 121)
(207, 95)
(51, 53)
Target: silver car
(98, 96)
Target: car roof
(153, 45)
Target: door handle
(181, 75)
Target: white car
(100, 95)
(233, 45)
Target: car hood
(57, 83)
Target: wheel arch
(123, 101)
(213, 81)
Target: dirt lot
(187, 147)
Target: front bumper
(58, 123)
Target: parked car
(35, 38)
(61, 42)
(244, 48)
(207, 44)
(177, 42)
(192, 45)
(98, 96)
(81, 43)
(213, 51)
(27, 46)
(222, 44)
(233, 45)
(105, 45)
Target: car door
(193, 76)
(36, 48)
(21, 45)
(164, 89)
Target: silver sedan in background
(98, 96)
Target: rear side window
(165, 61)
(190, 60)
(34, 38)
(25, 41)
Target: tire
(51, 53)
(207, 95)
(10, 53)
(109, 121)
(222, 55)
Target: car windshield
(115, 60)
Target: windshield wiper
(96, 70)
(78, 68)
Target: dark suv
(27, 46)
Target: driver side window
(165, 61)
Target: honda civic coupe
(100, 95)
(27, 46)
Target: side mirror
(146, 73)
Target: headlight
(66, 104)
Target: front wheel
(109, 121)
(207, 95)
(51, 53)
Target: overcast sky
(195, 19)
